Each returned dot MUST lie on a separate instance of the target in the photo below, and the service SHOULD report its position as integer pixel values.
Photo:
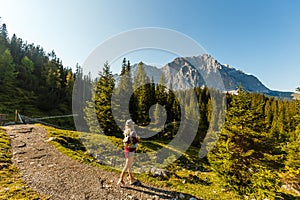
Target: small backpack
(127, 139)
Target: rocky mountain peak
(203, 70)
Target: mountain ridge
(204, 70)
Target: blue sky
(259, 37)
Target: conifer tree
(3, 36)
(25, 73)
(102, 99)
(123, 93)
(245, 155)
(90, 116)
(7, 68)
(159, 113)
(142, 91)
(161, 94)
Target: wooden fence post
(16, 116)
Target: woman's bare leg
(126, 167)
(130, 162)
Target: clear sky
(259, 37)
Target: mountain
(203, 70)
(150, 70)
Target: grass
(83, 147)
(185, 174)
(12, 185)
(70, 143)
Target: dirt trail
(52, 173)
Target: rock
(160, 173)
(193, 198)
(50, 139)
(156, 174)
(155, 197)
(184, 181)
(181, 196)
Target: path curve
(49, 172)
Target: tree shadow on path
(162, 194)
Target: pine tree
(203, 101)
(159, 114)
(84, 91)
(123, 93)
(268, 113)
(103, 94)
(3, 31)
(161, 94)
(25, 73)
(142, 98)
(3, 36)
(90, 116)
(69, 83)
(245, 155)
(7, 68)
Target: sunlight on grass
(84, 146)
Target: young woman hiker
(130, 142)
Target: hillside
(34, 82)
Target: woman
(130, 142)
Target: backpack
(127, 139)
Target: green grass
(185, 174)
(12, 186)
(70, 143)
(81, 146)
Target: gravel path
(52, 173)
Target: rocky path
(52, 173)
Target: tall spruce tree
(245, 155)
(102, 99)
(7, 68)
(142, 98)
(3, 36)
(123, 93)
